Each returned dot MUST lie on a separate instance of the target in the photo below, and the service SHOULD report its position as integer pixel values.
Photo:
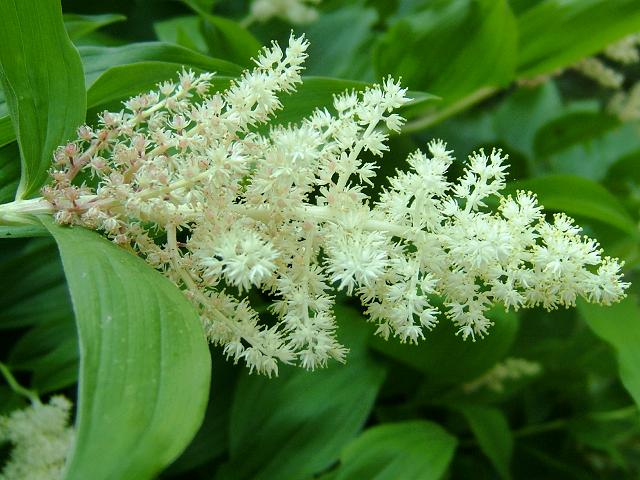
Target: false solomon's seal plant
(195, 184)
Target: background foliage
(394, 411)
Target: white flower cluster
(600, 72)
(185, 178)
(623, 52)
(41, 438)
(626, 104)
(511, 369)
(296, 12)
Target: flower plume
(184, 177)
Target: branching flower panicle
(183, 177)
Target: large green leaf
(619, 325)
(451, 48)
(295, 425)
(492, 432)
(339, 43)
(228, 39)
(97, 60)
(50, 352)
(593, 144)
(9, 171)
(42, 77)
(212, 440)
(7, 134)
(32, 284)
(416, 450)
(144, 361)
(80, 25)
(34, 294)
(185, 31)
(580, 197)
(557, 33)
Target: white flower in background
(624, 51)
(626, 104)
(286, 211)
(597, 70)
(509, 370)
(41, 439)
(296, 12)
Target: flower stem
(16, 387)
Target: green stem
(19, 211)
(607, 416)
(541, 428)
(16, 387)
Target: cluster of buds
(186, 177)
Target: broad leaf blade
(492, 432)
(417, 449)
(229, 40)
(145, 366)
(184, 31)
(557, 33)
(80, 25)
(464, 46)
(97, 60)
(619, 326)
(42, 77)
(295, 425)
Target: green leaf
(41, 74)
(50, 352)
(571, 129)
(144, 361)
(228, 39)
(98, 60)
(32, 288)
(124, 81)
(212, 439)
(464, 46)
(22, 231)
(296, 424)
(185, 31)
(9, 170)
(579, 197)
(7, 134)
(492, 432)
(557, 33)
(416, 450)
(594, 144)
(339, 43)
(80, 25)
(521, 114)
(447, 359)
(619, 326)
